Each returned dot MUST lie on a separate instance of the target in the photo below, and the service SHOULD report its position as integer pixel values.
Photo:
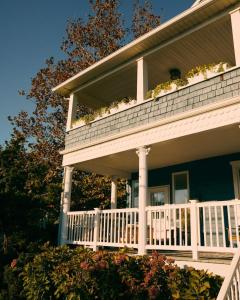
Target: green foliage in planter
(64, 273)
(166, 86)
(204, 68)
(101, 111)
(149, 94)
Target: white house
(175, 137)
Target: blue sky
(30, 32)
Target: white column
(114, 193)
(96, 229)
(235, 19)
(143, 186)
(66, 199)
(142, 79)
(72, 108)
(194, 228)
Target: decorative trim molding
(212, 119)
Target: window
(158, 195)
(134, 202)
(236, 178)
(180, 183)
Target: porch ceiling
(167, 31)
(212, 43)
(224, 140)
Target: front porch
(182, 187)
(196, 227)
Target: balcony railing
(208, 226)
(218, 88)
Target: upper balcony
(220, 87)
(204, 34)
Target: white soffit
(165, 32)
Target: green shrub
(72, 274)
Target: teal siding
(209, 179)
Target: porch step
(204, 257)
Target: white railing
(206, 226)
(118, 227)
(168, 227)
(218, 226)
(230, 289)
(114, 228)
(81, 227)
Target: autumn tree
(85, 42)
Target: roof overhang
(141, 46)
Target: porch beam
(142, 153)
(72, 109)
(235, 20)
(65, 205)
(142, 79)
(114, 193)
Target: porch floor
(204, 257)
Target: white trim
(236, 178)
(210, 120)
(173, 184)
(159, 188)
(197, 2)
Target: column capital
(69, 168)
(143, 149)
(140, 58)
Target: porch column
(66, 199)
(72, 108)
(142, 79)
(235, 19)
(114, 193)
(143, 184)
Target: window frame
(152, 188)
(173, 185)
(236, 178)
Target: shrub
(72, 274)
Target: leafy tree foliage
(85, 42)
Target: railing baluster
(204, 228)
(236, 224)
(210, 226)
(186, 226)
(223, 227)
(175, 225)
(165, 229)
(230, 226)
(180, 226)
(216, 225)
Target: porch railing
(230, 289)
(207, 226)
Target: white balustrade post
(72, 108)
(143, 185)
(194, 228)
(142, 79)
(66, 199)
(114, 193)
(96, 228)
(235, 19)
